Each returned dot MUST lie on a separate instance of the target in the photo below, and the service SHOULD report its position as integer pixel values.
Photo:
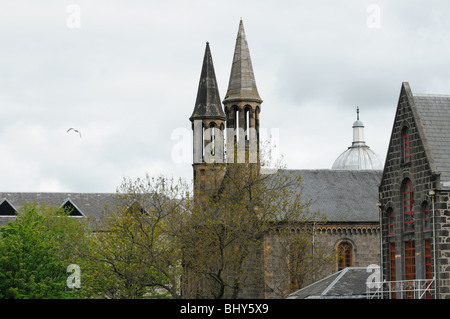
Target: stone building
(414, 197)
(346, 194)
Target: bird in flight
(72, 129)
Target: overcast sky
(125, 74)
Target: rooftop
(341, 195)
(434, 115)
(208, 104)
(91, 205)
(242, 84)
(348, 283)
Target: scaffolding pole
(402, 289)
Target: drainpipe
(313, 250)
(432, 193)
(381, 241)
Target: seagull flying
(72, 129)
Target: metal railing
(402, 289)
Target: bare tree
(137, 254)
(226, 243)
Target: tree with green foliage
(35, 251)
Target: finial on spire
(357, 113)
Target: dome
(358, 123)
(359, 155)
(357, 158)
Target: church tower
(242, 106)
(208, 124)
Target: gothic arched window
(408, 206)
(212, 127)
(426, 215)
(344, 255)
(391, 217)
(247, 111)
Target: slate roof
(242, 84)
(433, 112)
(342, 195)
(347, 283)
(89, 204)
(208, 104)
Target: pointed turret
(242, 84)
(208, 104)
(242, 106)
(208, 124)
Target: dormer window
(71, 209)
(137, 208)
(6, 209)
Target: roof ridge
(430, 95)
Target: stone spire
(242, 85)
(208, 124)
(242, 105)
(208, 104)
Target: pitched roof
(341, 195)
(242, 84)
(88, 204)
(208, 104)
(433, 112)
(347, 283)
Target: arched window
(426, 215)
(235, 111)
(406, 145)
(212, 126)
(408, 206)
(344, 255)
(391, 219)
(203, 141)
(247, 111)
